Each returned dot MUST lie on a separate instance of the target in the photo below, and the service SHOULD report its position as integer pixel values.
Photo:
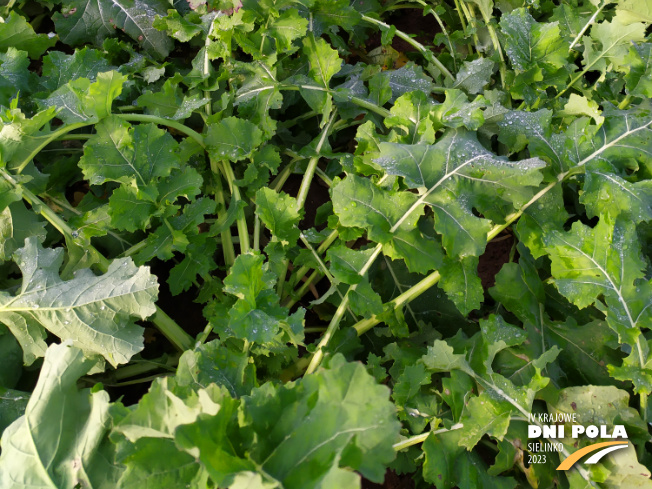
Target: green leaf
(474, 75)
(171, 102)
(519, 289)
(409, 383)
(457, 111)
(406, 79)
(134, 156)
(489, 413)
(534, 129)
(596, 404)
(95, 312)
(459, 174)
(346, 264)
(625, 471)
(82, 101)
(364, 300)
(11, 363)
(603, 262)
(449, 465)
(461, 283)
(630, 11)
(605, 192)
(197, 262)
(639, 76)
(130, 209)
(288, 27)
(258, 94)
(486, 7)
(624, 139)
(12, 406)
(177, 232)
(537, 51)
(59, 440)
(60, 68)
(278, 212)
(328, 13)
(412, 112)
(442, 358)
(215, 363)
(389, 218)
(17, 224)
(585, 350)
(546, 214)
(579, 105)
(256, 315)
(95, 20)
(529, 43)
(14, 70)
(311, 433)
(177, 26)
(324, 60)
(16, 32)
(609, 43)
(233, 138)
(158, 464)
(163, 409)
(19, 136)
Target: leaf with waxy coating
(458, 174)
(603, 267)
(95, 312)
(60, 441)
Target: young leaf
(609, 43)
(131, 155)
(278, 211)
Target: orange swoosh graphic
(575, 456)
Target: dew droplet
(102, 308)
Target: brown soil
(493, 259)
(411, 21)
(317, 196)
(392, 481)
